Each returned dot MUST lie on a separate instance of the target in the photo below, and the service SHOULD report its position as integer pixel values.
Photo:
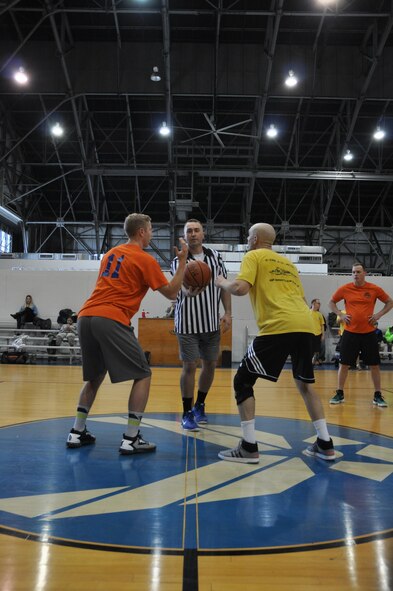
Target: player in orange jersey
(359, 336)
(106, 338)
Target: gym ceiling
(222, 66)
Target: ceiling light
(155, 75)
(348, 155)
(164, 129)
(379, 134)
(20, 76)
(272, 131)
(57, 130)
(291, 79)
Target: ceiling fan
(216, 132)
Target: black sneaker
(79, 438)
(321, 449)
(379, 400)
(135, 445)
(337, 398)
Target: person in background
(378, 333)
(388, 339)
(285, 328)
(197, 327)
(67, 332)
(319, 330)
(27, 313)
(341, 328)
(170, 311)
(106, 339)
(360, 297)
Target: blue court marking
(291, 502)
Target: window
(5, 241)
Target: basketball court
(180, 518)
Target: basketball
(197, 274)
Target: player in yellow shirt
(285, 328)
(319, 330)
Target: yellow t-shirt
(318, 322)
(276, 295)
(341, 325)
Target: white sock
(248, 430)
(80, 418)
(321, 429)
(134, 420)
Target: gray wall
(66, 284)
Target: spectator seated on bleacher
(66, 335)
(66, 313)
(27, 313)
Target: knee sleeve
(243, 388)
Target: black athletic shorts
(353, 344)
(316, 343)
(267, 355)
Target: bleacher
(35, 345)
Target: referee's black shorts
(267, 355)
(353, 344)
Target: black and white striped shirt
(201, 313)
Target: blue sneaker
(199, 413)
(188, 422)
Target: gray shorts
(107, 345)
(205, 345)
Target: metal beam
(200, 12)
(360, 101)
(261, 106)
(241, 173)
(76, 118)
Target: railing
(37, 345)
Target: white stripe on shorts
(255, 362)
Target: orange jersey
(126, 273)
(359, 304)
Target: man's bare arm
(238, 287)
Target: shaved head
(261, 236)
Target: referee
(197, 327)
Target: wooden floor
(30, 393)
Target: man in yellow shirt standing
(285, 328)
(319, 330)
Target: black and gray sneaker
(244, 453)
(337, 398)
(379, 400)
(135, 445)
(79, 438)
(321, 449)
